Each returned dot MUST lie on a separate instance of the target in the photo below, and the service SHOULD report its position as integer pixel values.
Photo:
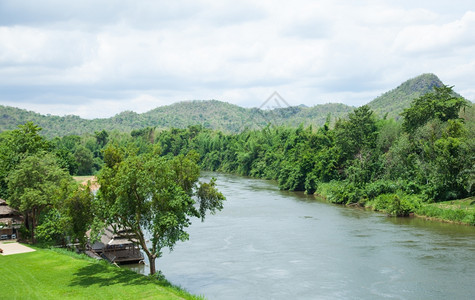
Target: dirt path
(10, 248)
(84, 180)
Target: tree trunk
(151, 256)
(27, 225)
(33, 227)
(152, 264)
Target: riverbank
(57, 273)
(455, 211)
(461, 211)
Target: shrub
(340, 192)
(379, 187)
(396, 204)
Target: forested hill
(217, 114)
(211, 114)
(396, 100)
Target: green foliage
(374, 189)
(78, 211)
(396, 204)
(440, 104)
(340, 192)
(209, 197)
(149, 177)
(210, 114)
(15, 146)
(51, 228)
(84, 159)
(357, 133)
(36, 183)
(154, 193)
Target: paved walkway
(14, 248)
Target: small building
(117, 246)
(10, 221)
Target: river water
(272, 244)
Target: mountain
(217, 114)
(396, 100)
(210, 114)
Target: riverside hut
(118, 246)
(10, 221)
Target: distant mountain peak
(394, 101)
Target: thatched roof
(6, 210)
(9, 215)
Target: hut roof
(9, 215)
(110, 238)
(6, 210)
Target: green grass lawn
(49, 274)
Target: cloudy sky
(96, 58)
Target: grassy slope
(47, 274)
(458, 211)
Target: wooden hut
(10, 221)
(117, 246)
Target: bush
(340, 192)
(396, 204)
(379, 187)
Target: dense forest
(219, 115)
(388, 165)
(395, 166)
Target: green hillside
(218, 115)
(210, 114)
(394, 101)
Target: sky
(97, 58)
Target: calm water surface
(271, 244)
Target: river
(272, 244)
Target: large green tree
(15, 146)
(154, 196)
(35, 184)
(442, 104)
(78, 211)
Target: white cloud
(135, 55)
(444, 38)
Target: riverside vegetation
(408, 166)
(399, 167)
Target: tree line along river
(272, 244)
